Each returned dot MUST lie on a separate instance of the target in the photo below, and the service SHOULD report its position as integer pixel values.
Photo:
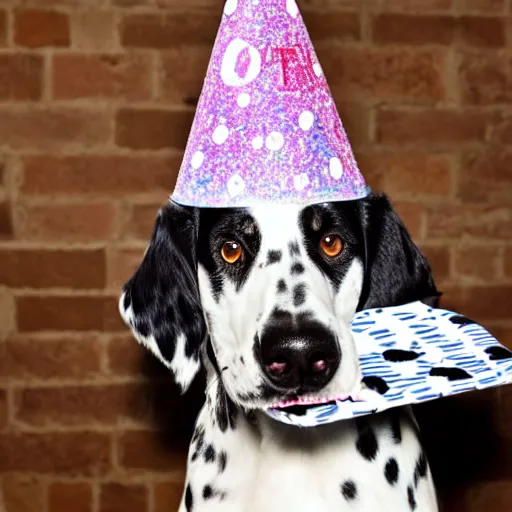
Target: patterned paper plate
(411, 354)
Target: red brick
(153, 129)
(486, 177)
(62, 494)
(94, 30)
(113, 175)
(475, 222)
(412, 216)
(479, 263)
(167, 495)
(183, 71)
(142, 220)
(46, 268)
(430, 127)
(122, 263)
(4, 418)
(35, 28)
(23, 494)
(389, 74)
(6, 225)
(125, 355)
(508, 262)
(503, 335)
(167, 31)
(356, 121)
(66, 222)
(25, 357)
(82, 405)
(411, 29)
(53, 129)
(414, 6)
(482, 31)
(505, 131)
(175, 3)
(485, 78)
(123, 498)
(60, 313)
(495, 495)
(60, 452)
(483, 6)
(333, 26)
(21, 77)
(439, 260)
(483, 303)
(134, 3)
(408, 175)
(3, 28)
(144, 450)
(101, 76)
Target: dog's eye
(231, 252)
(331, 245)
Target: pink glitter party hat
(266, 127)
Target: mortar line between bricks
(10, 30)
(105, 428)
(95, 491)
(111, 380)
(131, 476)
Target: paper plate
(411, 354)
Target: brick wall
(96, 99)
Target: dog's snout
(302, 356)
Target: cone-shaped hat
(266, 127)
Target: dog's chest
(341, 467)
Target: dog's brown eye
(331, 245)
(231, 252)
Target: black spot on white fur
(400, 356)
(225, 410)
(209, 454)
(207, 492)
(396, 429)
(299, 295)
(498, 353)
(411, 498)
(391, 471)
(281, 286)
(450, 373)
(294, 249)
(366, 443)
(197, 442)
(376, 383)
(189, 499)
(421, 468)
(223, 460)
(297, 268)
(349, 490)
(274, 257)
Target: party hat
(266, 127)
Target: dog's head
(264, 296)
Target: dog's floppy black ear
(396, 272)
(161, 301)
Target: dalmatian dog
(261, 299)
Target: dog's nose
(297, 362)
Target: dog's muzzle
(297, 353)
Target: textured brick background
(96, 99)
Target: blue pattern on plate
(450, 346)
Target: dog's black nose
(302, 360)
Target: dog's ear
(161, 301)
(396, 272)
